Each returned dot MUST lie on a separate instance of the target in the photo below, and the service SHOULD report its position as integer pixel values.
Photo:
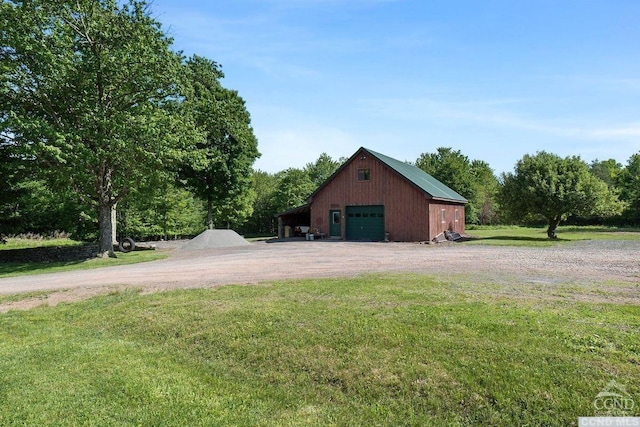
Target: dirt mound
(212, 239)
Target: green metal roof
(419, 178)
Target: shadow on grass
(19, 268)
(527, 239)
(518, 239)
(41, 259)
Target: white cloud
(494, 113)
(502, 130)
(624, 131)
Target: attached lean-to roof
(420, 179)
(296, 211)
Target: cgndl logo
(614, 400)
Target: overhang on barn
(374, 197)
(294, 222)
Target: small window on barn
(380, 215)
(364, 174)
(365, 215)
(443, 216)
(336, 218)
(351, 215)
(358, 215)
(457, 216)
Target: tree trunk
(114, 224)
(553, 225)
(209, 213)
(105, 241)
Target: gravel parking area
(603, 263)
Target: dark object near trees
(127, 245)
(452, 235)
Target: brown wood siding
(406, 207)
(438, 226)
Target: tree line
(102, 123)
(543, 188)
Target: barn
(373, 197)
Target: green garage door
(365, 223)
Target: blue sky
(494, 79)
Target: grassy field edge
(537, 236)
(392, 349)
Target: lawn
(375, 350)
(532, 236)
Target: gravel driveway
(580, 263)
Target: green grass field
(531, 236)
(10, 269)
(376, 350)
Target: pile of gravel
(213, 239)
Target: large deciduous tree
(168, 212)
(473, 180)
(219, 167)
(552, 187)
(450, 167)
(12, 172)
(286, 189)
(87, 86)
(629, 184)
(606, 170)
(320, 170)
(262, 220)
(294, 187)
(484, 195)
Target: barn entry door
(365, 223)
(335, 227)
